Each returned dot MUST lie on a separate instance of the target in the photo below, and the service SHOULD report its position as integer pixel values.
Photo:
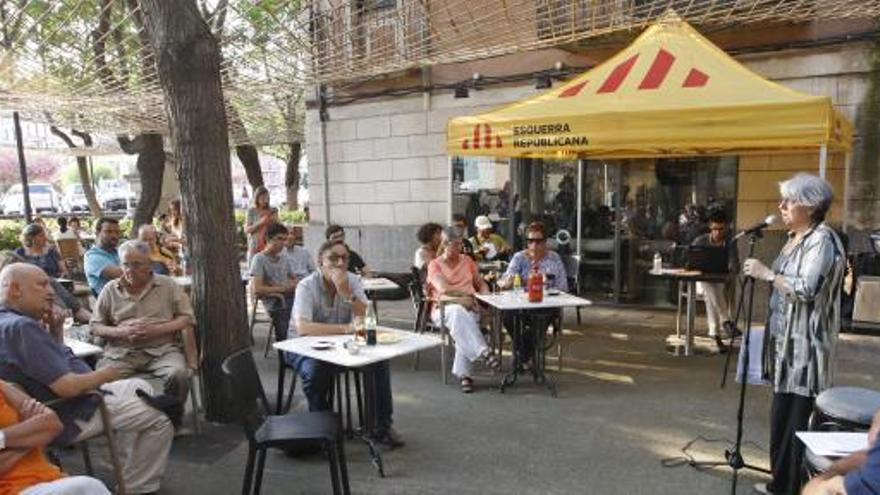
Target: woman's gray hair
(136, 246)
(452, 233)
(811, 191)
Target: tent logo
(653, 78)
(487, 140)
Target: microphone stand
(733, 455)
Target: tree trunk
(250, 160)
(187, 57)
(82, 166)
(151, 167)
(291, 175)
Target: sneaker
(389, 438)
(730, 329)
(762, 488)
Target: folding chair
(107, 432)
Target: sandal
(467, 385)
(492, 361)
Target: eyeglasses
(335, 258)
(133, 265)
(279, 237)
(535, 239)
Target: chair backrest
(417, 294)
(417, 285)
(69, 248)
(245, 388)
(598, 246)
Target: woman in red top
(26, 426)
(454, 275)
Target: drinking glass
(358, 328)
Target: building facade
(378, 162)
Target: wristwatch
(2, 440)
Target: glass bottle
(370, 324)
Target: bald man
(36, 359)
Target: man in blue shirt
(37, 360)
(102, 260)
(856, 474)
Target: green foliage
(292, 216)
(125, 227)
(9, 232)
(70, 174)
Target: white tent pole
(580, 207)
(823, 160)
(846, 192)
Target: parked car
(118, 199)
(44, 199)
(74, 199)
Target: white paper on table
(833, 443)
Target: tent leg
(580, 203)
(823, 160)
(847, 163)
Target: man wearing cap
(487, 244)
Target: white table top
(82, 349)
(378, 284)
(186, 281)
(338, 355)
(511, 300)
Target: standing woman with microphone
(802, 322)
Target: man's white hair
(134, 246)
(145, 227)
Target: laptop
(707, 259)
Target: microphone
(770, 220)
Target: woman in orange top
(454, 275)
(26, 426)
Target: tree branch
(99, 46)
(130, 146)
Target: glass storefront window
(481, 186)
(663, 206)
(629, 210)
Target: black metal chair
(423, 323)
(265, 431)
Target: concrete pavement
(624, 405)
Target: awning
(670, 93)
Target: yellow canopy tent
(670, 93)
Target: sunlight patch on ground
(601, 375)
(614, 364)
(629, 353)
(619, 336)
(633, 366)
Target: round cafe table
(690, 277)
